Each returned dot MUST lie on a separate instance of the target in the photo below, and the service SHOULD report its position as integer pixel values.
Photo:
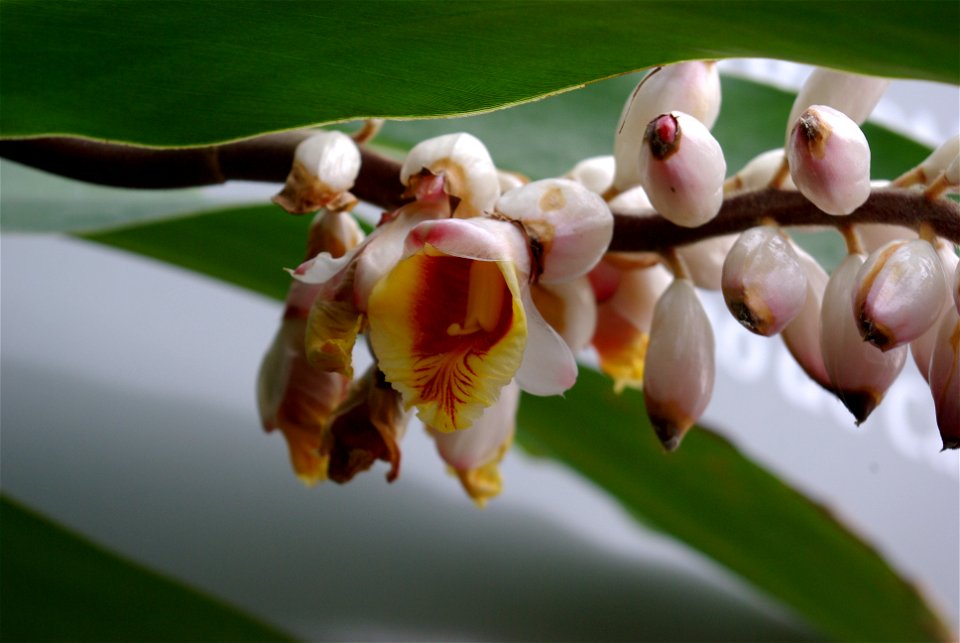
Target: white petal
(332, 157)
(548, 366)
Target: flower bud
(682, 169)
(956, 288)
(860, 373)
(944, 378)
(899, 292)
(623, 324)
(690, 87)
(759, 173)
(325, 167)
(922, 347)
(802, 335)
(569, 226)
(764, 284)
(466, 167)
(594, 173)
(510, 180)
(829, 160)
(933, 165)
(852, 94)
(474, 454)
(679, 372)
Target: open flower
(454, 322)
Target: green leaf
(708, 494)
(173, 73)
(57, 586)
(719, 502)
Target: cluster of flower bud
(849, 331)
(483, 284)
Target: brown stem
(269, 157)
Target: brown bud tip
(859, 403)
(663, 136)
(669, 434)
(951, 443)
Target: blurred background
(128, 414)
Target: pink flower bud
(899, 293)
(944, 378)
(679, 372)
(569, 226)
(802, 335)
(852, 94)
(690, 87)
(466, 167)
(682, 169)
(764, 284)
(860, 373)
(829, 160)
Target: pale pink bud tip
(682, 169)
(829, 160)
(899, 293)
(679, 370)
(763, 283)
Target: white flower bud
(874, 236)
(466, 167)
(956, 288)
(802, 335)
(679, 371)
(569, 226)
(510, 180)
(829, 160)
(594, 173)
(760, 172)
(690, 87)
(764, 284)
(852, 94)
(860, 373)
(704, 260)
(325, 167)
(922, 347)
(944, 378)
(682, 169)
(899, 292)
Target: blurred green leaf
(710, 496)
(174, 73)
(707, 495)
(56, 586)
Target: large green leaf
(56, 586)
(707, 494)
(174, 73)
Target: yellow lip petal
(448, 333)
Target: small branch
(268, 158)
